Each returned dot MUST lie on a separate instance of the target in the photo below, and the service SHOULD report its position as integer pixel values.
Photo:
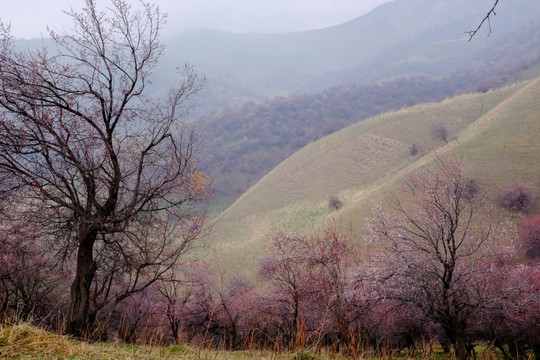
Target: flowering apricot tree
(438, 249)
(107, 170)
(315, 275)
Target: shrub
(529, 236)
(471, 188)
(304, 355)
(334, 202)
(517, 197)
(439, 132)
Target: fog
(29, 18)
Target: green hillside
(245, 143)
(496, 132)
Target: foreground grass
(28, 342)
(24, 341)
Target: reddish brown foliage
(517, 197)
(529, 237)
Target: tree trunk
(455, 330)
(342, 326)
(77, 323)
(295, 320)
(459, 341)
(3, 305)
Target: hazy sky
(29, 17)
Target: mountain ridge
(263, 65)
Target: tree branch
(487, 18)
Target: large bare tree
(108, 171)
(439, 246)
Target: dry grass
(24, 341)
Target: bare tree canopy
(109, 171)
(438, 249)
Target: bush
(471, 189)
(517, 197)
(334, 202)
(304, 355)
(529, 236)
(439, 132)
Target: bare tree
(30, 278)
(289, 278)
(517, 197)
(102, 166)
(437, 249)
(314, 274)
(413, 149)
(334, 202)
(439, 131)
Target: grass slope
(497, 133)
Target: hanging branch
(486, 18)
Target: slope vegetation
(496, 132)
(243, 145)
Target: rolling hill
(309, 84)
(244, 143)
(496, 133)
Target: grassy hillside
(496, 132)
(243, 145)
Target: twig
(486, 18)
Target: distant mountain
(413, 37)
(400, 37)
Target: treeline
(444, 271)
(243, 145)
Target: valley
(364, 190)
